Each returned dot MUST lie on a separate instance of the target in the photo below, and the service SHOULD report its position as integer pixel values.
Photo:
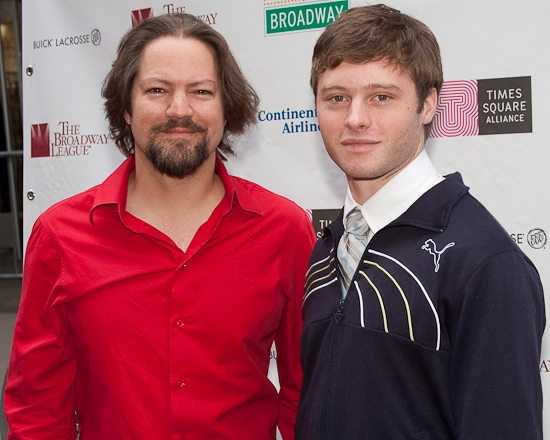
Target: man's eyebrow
(382, 86)
(156, 79)
(159, 80)
(372, 86)
(204, 82)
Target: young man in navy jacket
(436, 333)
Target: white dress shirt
(396, 196)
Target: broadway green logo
(303, 17)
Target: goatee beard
(180, 158)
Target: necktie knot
(356, 224)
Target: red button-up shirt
(146, 341)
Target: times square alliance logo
(483, 107)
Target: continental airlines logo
(484, 107)
(141, 14)
(291, 121)
(300, 15)
(67, 141)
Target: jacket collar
(431, 211)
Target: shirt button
(180, 323)
(181, 383)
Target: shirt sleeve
(496, 385)
(39, 397)
(287, 341)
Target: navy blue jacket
(438, 338)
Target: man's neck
(363, 190)
(176, 207)
(398, 194)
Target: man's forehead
(391, 68)
(162, 51)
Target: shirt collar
(235, 192)
(397, 195)
(114, 190)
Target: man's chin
(178, 173)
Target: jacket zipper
(338, 317)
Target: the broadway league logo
(482, 107)
(40, 140)
(140, 15)
(171, 9)
(67, 141)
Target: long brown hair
(240, 101)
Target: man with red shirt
(150, 302)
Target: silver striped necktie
(352, 245)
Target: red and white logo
(457, 112)
(141, 14)
(40, 140)
(67, 141)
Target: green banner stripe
(303, 17)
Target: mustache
(187, 123)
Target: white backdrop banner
(489, 126)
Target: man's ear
(430, 106)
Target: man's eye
(338, 98)
(156, 90)
(382, 98)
